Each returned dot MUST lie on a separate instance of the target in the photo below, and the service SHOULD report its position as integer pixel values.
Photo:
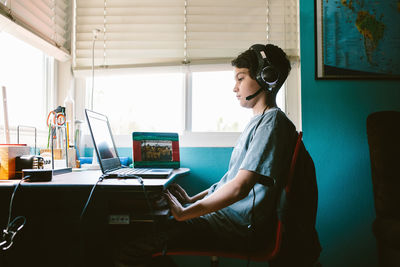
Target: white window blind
(224, 28)
(169, 32)
(48, 19)
(132, 32)
(283, 25)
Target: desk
(53, 231)
(89, 178)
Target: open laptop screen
(102, 140)
(155, 150)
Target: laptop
(107, 154)
(154, 149)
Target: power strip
(119, 219)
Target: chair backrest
(383, 130)
(296, 211)
(279, 227)
(294, 162)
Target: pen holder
(58, 155)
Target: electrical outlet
(118, 219)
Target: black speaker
(27, 162)
(267, 74)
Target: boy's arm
(180, 194)
(231, 192)
(199, 196)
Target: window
(156, 102)
(214, 105)
(140, 102)
(23, 69)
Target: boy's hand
(180, 194)
(174, 205)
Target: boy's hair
(276, 56)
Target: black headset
(267, 75)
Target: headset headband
(267, 75)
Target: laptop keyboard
(129, 171)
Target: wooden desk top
(89, 178)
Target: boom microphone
(254, 95)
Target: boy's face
(244, 87)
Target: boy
(235, 212)
(262, 154)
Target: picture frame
(357, 39)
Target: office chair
(304, 248)
(383, 131)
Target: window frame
(50, 80)
(21, 27)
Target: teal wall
(334, 124)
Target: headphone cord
(258, 123)
(252, 223)
(140, 180)
(12, 226)
(251, 226)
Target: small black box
(37, 175)
(27, 162)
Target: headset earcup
(269, 75)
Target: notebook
(107, 155)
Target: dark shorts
(195, 234)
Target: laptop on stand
(107, 154)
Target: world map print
(361, 36)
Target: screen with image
(159, 150)
(156, 150)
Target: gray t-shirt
(266, 150)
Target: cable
(81, 239)
(12, 227)
(101, 178)
(253, 209)
(140, 180)
(11, 201)
(252, 219)
(252, 225)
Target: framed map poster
(357, 39)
